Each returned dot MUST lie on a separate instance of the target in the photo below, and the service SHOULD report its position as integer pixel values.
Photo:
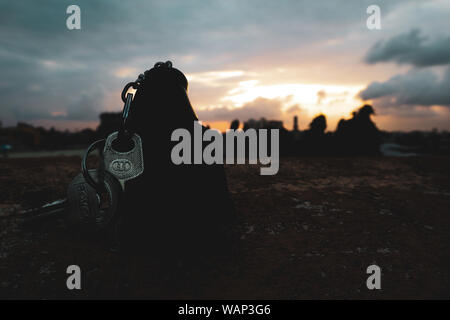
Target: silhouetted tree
(358, 135)
(314, 140)
(234, 124)
(109, 122)
(318, 125)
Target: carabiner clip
(126, 108)
(127, 87)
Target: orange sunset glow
(243, 60)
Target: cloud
(47, 70)
(416, 89)
(85, 108)
(293, 109)
(320, 96)
(271, 109)
(411, 48)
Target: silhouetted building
(295, 123)
(263, 124)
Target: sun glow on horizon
(241, 88)
(244, 87)
(333, 100)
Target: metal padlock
(85, 208)
(124, 165)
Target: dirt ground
(308, 232)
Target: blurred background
(251, 60)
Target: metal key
(124, 165)
(83, 207)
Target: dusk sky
(243, 59)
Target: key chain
(83, 203)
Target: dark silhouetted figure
(358, 135)
(171, 211)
